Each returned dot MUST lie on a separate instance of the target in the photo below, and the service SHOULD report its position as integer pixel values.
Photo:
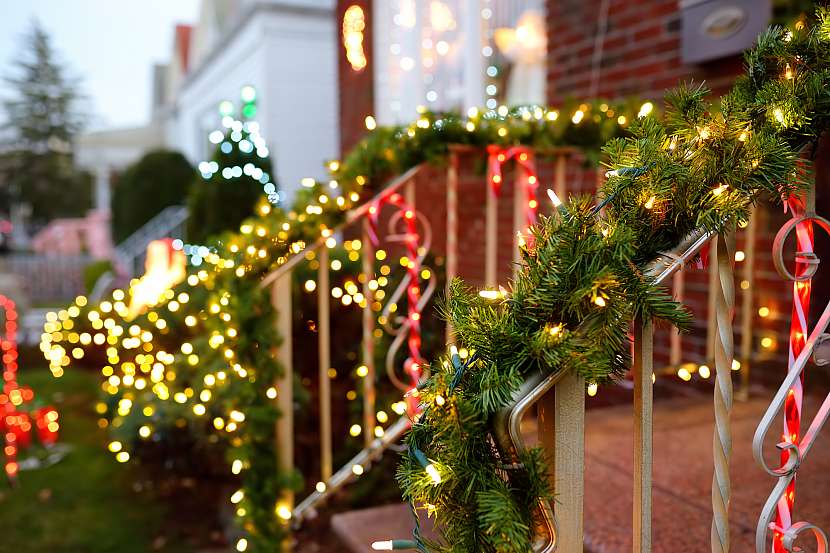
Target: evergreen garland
(581, 283)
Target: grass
(85, 503)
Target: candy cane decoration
(802, 287)
(497, 156)
(412, 364)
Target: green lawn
(86, 502)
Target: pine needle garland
(581, 283)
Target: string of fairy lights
(180, 356)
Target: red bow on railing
(497, 156)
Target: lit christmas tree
(236, 176)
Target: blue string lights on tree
(241, 158)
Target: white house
(286, 50)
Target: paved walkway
(682, 481)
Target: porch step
(358, 529)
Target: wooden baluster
(560, 176)
(747, 304)
(491, 238)
(452, 226)
(643, 453)
(409, 192)
(282, 302)
(368, 344)
(519, 213)
(324, 355)
(568, 459)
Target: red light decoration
(412, 364)
(16, 424)
(798, 338)
(497, 156)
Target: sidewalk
(682, 476)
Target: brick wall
(641, 58)
(641, 53)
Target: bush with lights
(581, 284)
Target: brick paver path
(682, 481)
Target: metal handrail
(351, 217)
(507, 429)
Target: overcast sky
(110, 44)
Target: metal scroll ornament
(796, 449)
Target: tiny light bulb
(600, 301)
(704, 371)
(433, 473)
(284, 512)
(554, 198)
(384, 545)
(650, 202)
(490, 294)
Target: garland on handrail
(581, 283)
(202, 358)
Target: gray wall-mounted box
(713, 29)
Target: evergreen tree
(234, 180)
(43, 118)
(161, 178)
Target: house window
(456, 54)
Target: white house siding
(287, 51)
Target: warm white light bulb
(384, 545)
(433, 473)
(554, 198)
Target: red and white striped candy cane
(497, 156)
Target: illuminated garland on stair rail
(582, 283)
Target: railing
(280, 283)
(777, 515)
(47, 278)
(169, 223)
(560, 397)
